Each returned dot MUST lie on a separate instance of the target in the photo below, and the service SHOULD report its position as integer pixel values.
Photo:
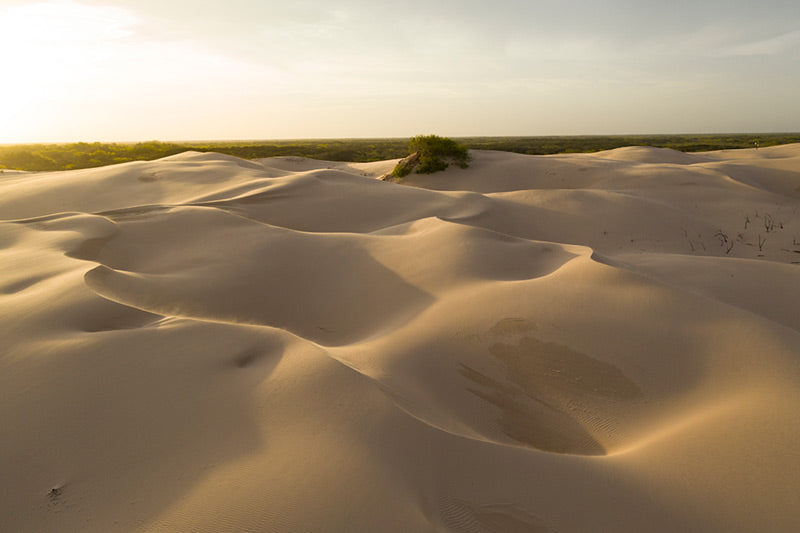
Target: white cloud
(767, 46)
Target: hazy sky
(177, 69)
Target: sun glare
(47, 48)
(88, 72)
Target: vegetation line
(37, 157)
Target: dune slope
(604, 342)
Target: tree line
(43, 157)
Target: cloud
(769, 46)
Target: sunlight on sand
(583, 342)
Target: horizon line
(396, 138)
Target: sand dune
(585, 342)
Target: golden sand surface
(583, 342)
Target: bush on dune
(431, 153)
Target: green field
(38, 157)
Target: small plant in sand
(431, 153)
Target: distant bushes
(431, 153)
(84, 155)
(39, 157)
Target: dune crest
(582, 342)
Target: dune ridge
(582, 342)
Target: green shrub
(402, 169)
(431, 153)
(428, 164)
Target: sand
(584, 342)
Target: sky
(133, 70)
